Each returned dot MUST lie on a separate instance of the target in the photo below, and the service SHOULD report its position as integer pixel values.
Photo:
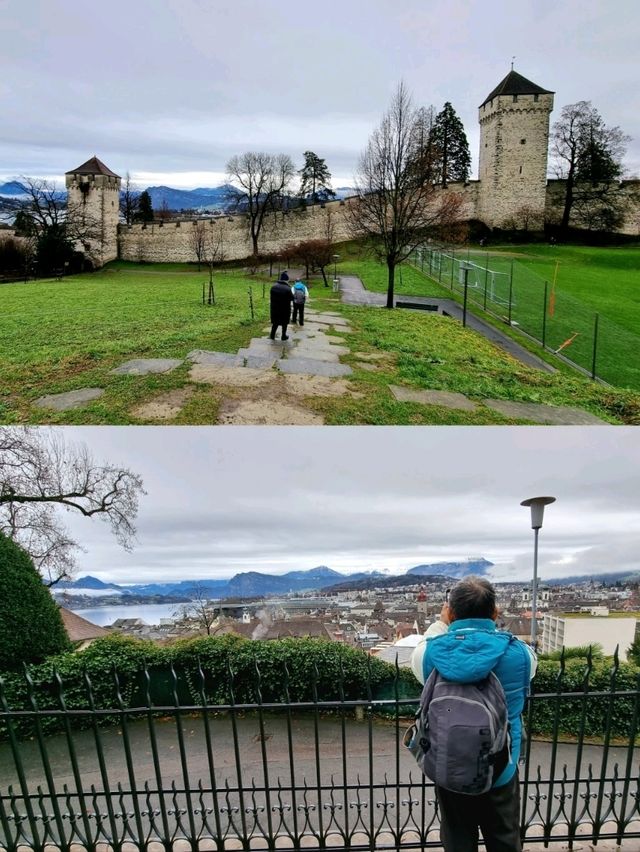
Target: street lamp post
(537, 505)
(336, 258)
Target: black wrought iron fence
(147, 767)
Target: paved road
(353, 292)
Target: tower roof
(516, 84)
(94, 166)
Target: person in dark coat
(281, 299)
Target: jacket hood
(469, 651)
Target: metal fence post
(453, 263)
(486, 276)
(464, 305)
(510, 292)
(544, 316)
(595, 346)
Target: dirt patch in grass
(301, 386)
(252, 412)
(167, 406)
(237, 377)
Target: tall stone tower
(93, 209)
(514, 143)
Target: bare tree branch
(38, 473)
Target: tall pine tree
(145, 209)
(315, 178)
(449, 141)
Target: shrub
(30, 623)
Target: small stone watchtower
(93, 209)
(514, 143)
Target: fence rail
(560, 323)
(331, 773)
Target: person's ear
(496, 614)
(450, 615)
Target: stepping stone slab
(313, 367)
(221, 359)
(553, 415)
(363, 365)
(447, 399)
(301, 385)
(69, 400)
(144, 366)
(369, 356)
(313, 355)
(260, 362)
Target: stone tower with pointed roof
(514, 143)
(94, 209)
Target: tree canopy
(31, 627)
(144, 212)
(452, 160)
(588, 155)
(315, 178)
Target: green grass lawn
(589, 281)
(62, 335)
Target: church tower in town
(94, 210)
(514, 144)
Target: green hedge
(315, 669)
(31, 627)
(598, 712)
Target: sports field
(581, 301)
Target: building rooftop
(94, 166)
(515, 84)
(79, 629)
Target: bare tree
(165, 213)
(587, 155)
(201, 610)
(397, 204)
(129, 200)
(259, 182)
(39, 473)
(54, 226)
(198, 240)
(213, 252)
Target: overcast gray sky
(170, 89)
(225, 500)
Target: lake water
(149, 613)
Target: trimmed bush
(30, 623)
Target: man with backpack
(468, 732)
(300, 296)
(280, 306)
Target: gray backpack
(460, 737)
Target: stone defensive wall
(173, 241)
(628, 190)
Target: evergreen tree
(145, 210)
(30, 623)
(449, 141)
(315, 178)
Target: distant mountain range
(201, 199)
(252, 584)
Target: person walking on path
(464, 647)
(280, 306)
(300, 297)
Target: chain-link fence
(510, 291)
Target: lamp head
(537, 505)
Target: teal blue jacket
(472, 648)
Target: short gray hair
(473, 597)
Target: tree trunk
(391, 266)
(324, 277)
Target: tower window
(515, 99)
(520, 169)
(535, 98)
(523, 141)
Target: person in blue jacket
(471, 613)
